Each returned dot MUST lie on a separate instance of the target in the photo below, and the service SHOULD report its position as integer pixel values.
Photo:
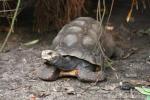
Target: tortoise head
(50, 56)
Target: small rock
(126, 86)
(24, 61)
(54, 89)
(70, 90)
(148, 60)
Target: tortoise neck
(65, 63)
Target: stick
(11, 27)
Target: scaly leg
(89, 76)
(48, 73)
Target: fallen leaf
(146, 89)
(148, 98)
(33, 97)
(31, 42)
(142, 90)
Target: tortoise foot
(48, 73)
(89, 76)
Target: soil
(19, 66)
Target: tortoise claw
(89, 76)
(48, 73)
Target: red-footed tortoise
(75, 52)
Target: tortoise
(74, 52)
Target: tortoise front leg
(90, 76)
(48, 73)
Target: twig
(112, 4)
(6, 0)
(11, 10)
(11, 27)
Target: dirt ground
(19, 65)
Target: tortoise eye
(50, 53)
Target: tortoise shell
(79, 39)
